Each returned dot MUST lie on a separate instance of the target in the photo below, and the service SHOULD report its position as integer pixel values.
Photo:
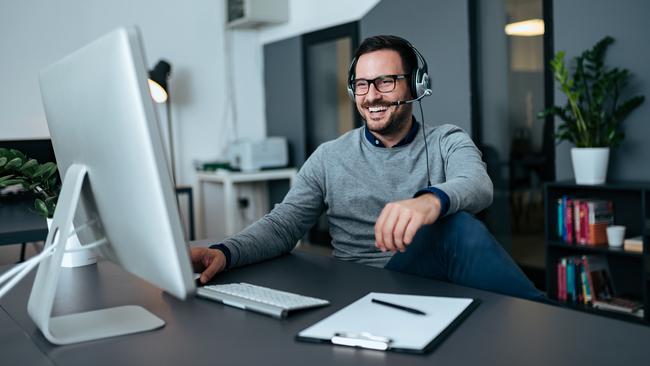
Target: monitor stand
(85, 326)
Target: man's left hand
(399, 221)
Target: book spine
(570, 281)
(564, 296)
(559, 280)
(560, 214)
(584, 213)
(564, 231)
(576, 221)
(590, 282)
(578, 280)
(569, 220)
(583, 283)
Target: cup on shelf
(615, 235)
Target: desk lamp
(159, 89)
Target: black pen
(401, 307)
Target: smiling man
(391, 202)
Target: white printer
(249, 156)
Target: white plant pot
(590, 164)
(77, 258)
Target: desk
(502, 331)
(19, 223)
(229, 179)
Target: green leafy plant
(593, 113)
(40, 179)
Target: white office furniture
(228, 180)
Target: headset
(419, 81)
(420, 86)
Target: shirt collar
(410, 136)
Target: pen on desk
(400, 307)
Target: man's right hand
(208, 262)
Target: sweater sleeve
(467, 183)
(278, 231)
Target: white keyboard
(261, 299)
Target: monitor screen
(101, 118)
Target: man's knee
(470, 233)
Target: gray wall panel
(285, 111)
(283, 83)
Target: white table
(229, 179)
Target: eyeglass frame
(395, 77)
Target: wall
(190, 35)
(311, 15)
(578, 25)
(440, 31)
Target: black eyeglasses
(383, 84)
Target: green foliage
(41, 179)
(593, 114)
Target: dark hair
(397, 44)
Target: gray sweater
(351, 181)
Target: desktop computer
(117, 188)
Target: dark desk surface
(502, 330)
(19, 223)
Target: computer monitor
(116, 184)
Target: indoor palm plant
(594, 112)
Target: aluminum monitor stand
(85, 326)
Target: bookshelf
(629, 271)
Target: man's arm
(467, 183)
(467, 187)
(277, 232)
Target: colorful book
(560, 218)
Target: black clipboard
(346, 327)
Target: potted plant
(40, 179)
(594, 112)
(43, 181)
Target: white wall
(189, 34)
(310, 15)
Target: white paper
(406, 330)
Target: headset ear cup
(424, 83)
(351, 70)
(413, 83)
(350, 92)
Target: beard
(397, 120)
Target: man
(372, 183)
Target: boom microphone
(400, 102)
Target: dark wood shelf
(630, 271)
(609, 313)
(597, 249)
(609, 186)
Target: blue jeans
(459, 249)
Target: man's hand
(399, 221)
(208, 262)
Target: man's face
(380, 117)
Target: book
(560, 218)
(600, 215)
(600, 277)
(621, 305)
(584, 221)
(634, 244)
(568, 221)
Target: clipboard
(367, 324)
